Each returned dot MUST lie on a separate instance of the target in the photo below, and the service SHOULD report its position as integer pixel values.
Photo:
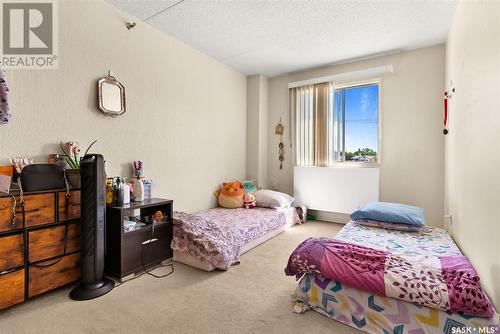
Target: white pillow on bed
(272, 199)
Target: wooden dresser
(32, 244)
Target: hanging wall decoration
(447, 97)
(279, 130)
(5, 115)
(111, 96)
(445, 115)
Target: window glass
(360, 109)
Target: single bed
(215, 238)
(376, 312)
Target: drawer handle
(14, 204)
(149, 241)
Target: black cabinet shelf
(128, 252)
(139, 228)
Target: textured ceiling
(275, 37)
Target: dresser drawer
(44, 279)
(11, 288)
(39, 209)
(72, 209)
(6, 223)
(12, 253)
(49, 242)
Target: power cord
(145, 270)
(144, 246)
(140, 274)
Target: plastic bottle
(124, 192)
(138, 190)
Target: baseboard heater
(338, 190)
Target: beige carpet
(253, 297)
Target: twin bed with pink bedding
(215, 238)
(386, 281)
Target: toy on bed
(230, 196)
(249, 201)
(249, 187)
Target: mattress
(251, 227)
(428, 241)
(374, 313)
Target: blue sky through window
(361, 118)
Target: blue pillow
(390, 212)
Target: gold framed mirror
(111, 96)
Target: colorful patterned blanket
(375, 314)
(447, 283)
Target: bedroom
(207, 83)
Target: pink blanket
(216, 235)
(447, 283)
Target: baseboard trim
(332, 217)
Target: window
(335, 123)
(358, 107)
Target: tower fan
(93, 214)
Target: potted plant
(72, 153)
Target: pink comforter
(447, 283)
(216, 235)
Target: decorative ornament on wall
(279, 130)
(447, 97)
(5, 115)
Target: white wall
(473, 143)
(412, 164)
(263, 131)
(257, 126)
(252, 137)
(186, 116)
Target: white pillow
(272, 199)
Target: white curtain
(302, 99)
(315, 125)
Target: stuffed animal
(230, 196)
(249, 200)
(249, 186)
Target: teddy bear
(231, 195)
